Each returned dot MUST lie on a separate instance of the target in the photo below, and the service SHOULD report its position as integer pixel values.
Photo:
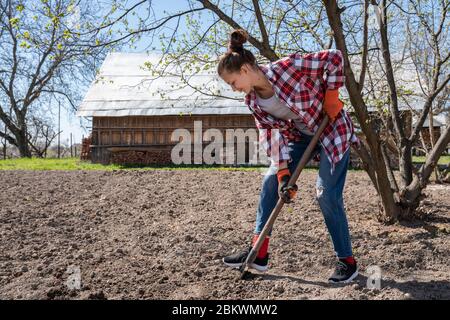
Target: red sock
(349, 260)
(264, 247)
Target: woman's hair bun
(237, 39)
(236, 56)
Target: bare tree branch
(426, 108)
(10, 139)
(262, 26)
(365, 46)
(267, 52)
(143, 30)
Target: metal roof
(124, 87)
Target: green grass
(77, 164)
(442, 159)
(51, 164)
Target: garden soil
(161, 234)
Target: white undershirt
(280, 110)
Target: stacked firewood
(141, 157)
(86, 149)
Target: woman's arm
(326, 64)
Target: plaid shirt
(301, 81)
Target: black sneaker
(236, 260)
(344, 272)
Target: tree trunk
(411, 195)
(22, 140)
(22, 144)
(405, 163)
(389, 207)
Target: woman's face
(240, 81)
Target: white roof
(438, 121)
(124, 87)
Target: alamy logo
(229, 146)
(374, 278)
(74, 280)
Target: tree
(399, 200)
(40, 135)
(44, 54)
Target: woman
(289, 95)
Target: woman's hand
(284, 191)
(332, 105)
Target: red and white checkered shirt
(301, 81)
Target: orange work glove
(284, 191)
(332, 105)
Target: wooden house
(135, 113)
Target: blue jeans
(329, 188)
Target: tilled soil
(162, 234)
